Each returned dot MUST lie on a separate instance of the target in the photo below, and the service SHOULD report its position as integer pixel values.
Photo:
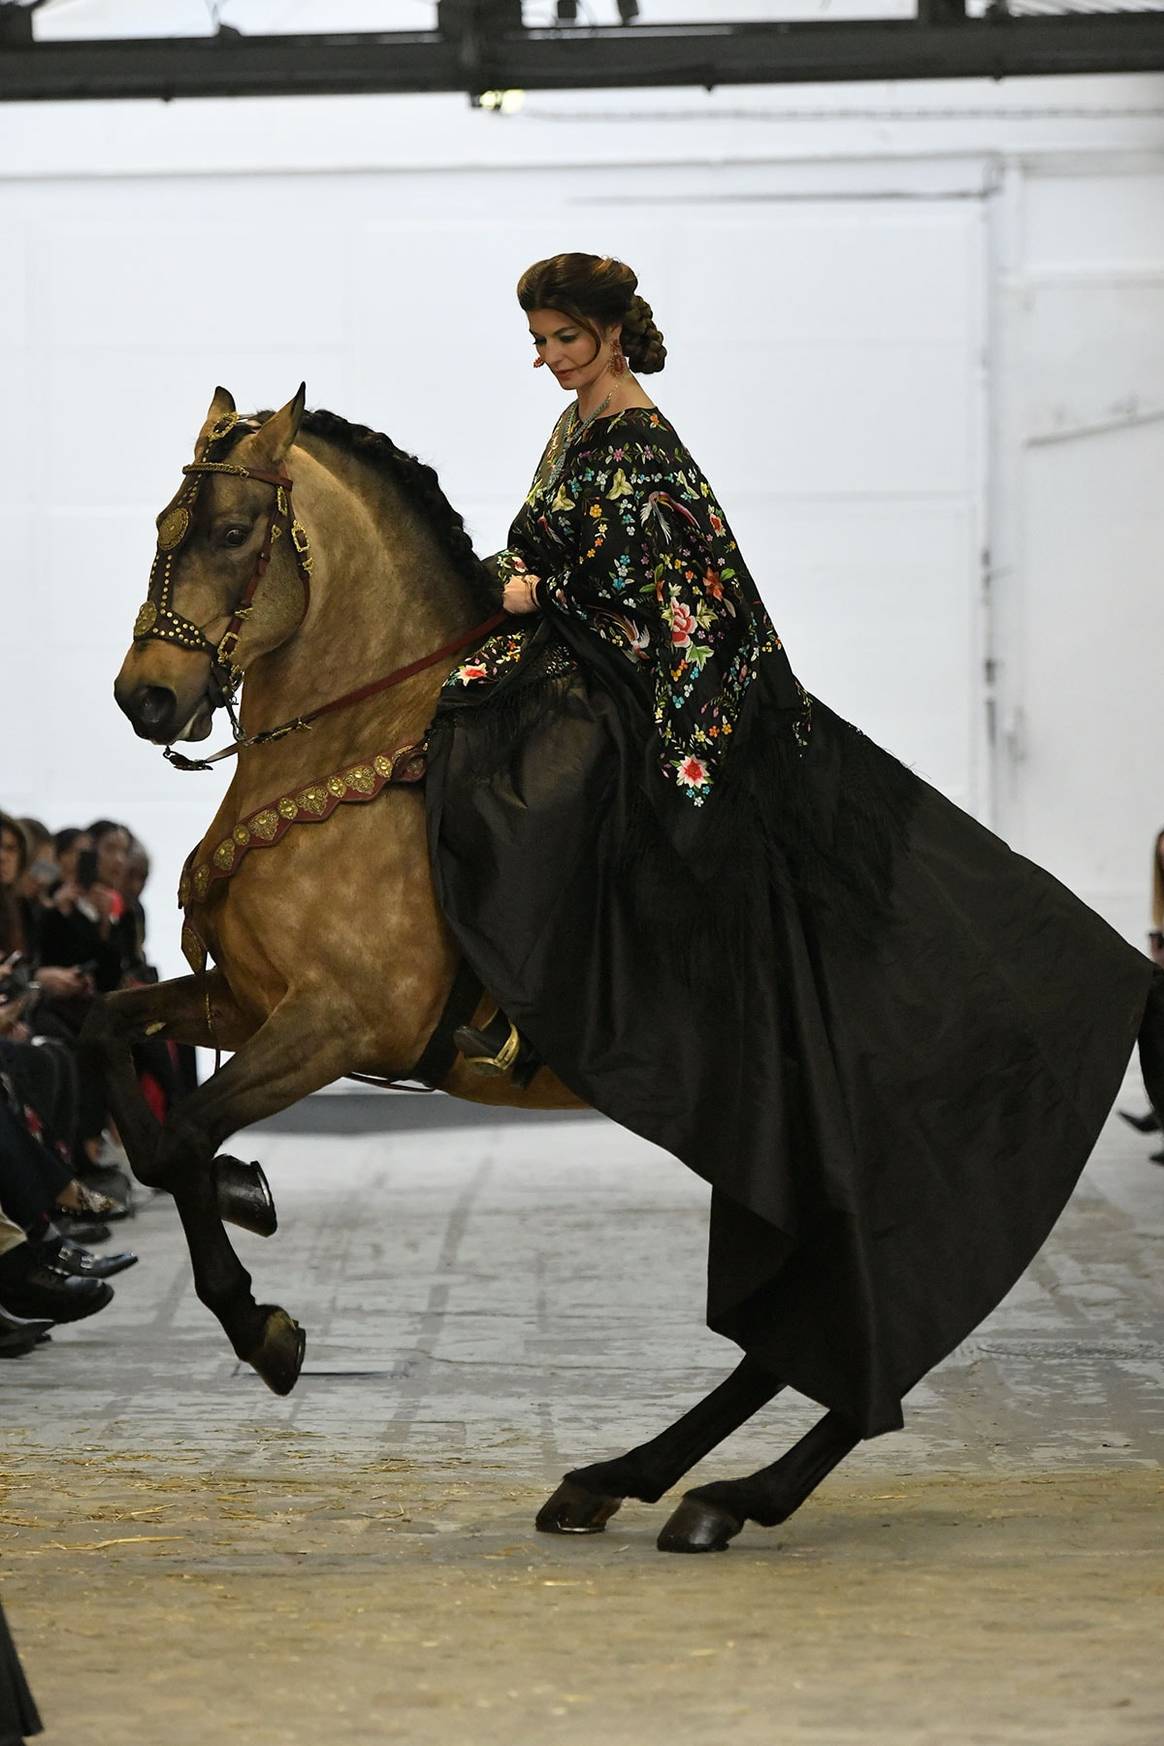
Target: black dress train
(733, 924)
(18, 1717)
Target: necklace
(581, 423)
(564, 436)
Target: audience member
(72, 927)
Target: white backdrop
(855, 360)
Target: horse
(315, 938)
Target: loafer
(67, 1258)
(80, 1230)
(14, 1345)
(43, 1290)
(37, 1329)
(92, 1205)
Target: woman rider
(729, 921)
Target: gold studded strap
(311, 804)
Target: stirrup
(467, 1039)
(482, 1052)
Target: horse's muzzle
(155, 714)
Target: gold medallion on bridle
(147, 618)
(222, 427)
(173, 528)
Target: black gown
(733, 924)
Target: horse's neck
(383, 594)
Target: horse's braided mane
(417, 481)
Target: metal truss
(482, 45)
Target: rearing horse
(317, 946)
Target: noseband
(157, 619)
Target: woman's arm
(653, 543)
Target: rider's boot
(498, 1048)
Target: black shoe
(43, 1290)
(17, 1345)
(1145, 1124)
(497, 1048)
(67, 1258)
(36, 1330)
(1157, 1157)
(81, 1231)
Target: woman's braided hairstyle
(597, 291)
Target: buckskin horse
(316, 945)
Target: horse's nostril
(155, 707)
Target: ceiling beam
(941, 46)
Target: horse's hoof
(278, 1357)
(244, 1196)
(698, 1526)
(574, 1510)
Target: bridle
(157, 620)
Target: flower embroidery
(683, 622)
(611, 521)
(692, 772)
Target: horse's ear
(222, 403)
(271, 441)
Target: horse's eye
(236, 536)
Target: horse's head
(206, 616)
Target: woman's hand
(65, 896)
(519, 593)
(62, 982)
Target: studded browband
(157, 620)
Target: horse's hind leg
(295, 1052)
(711, 1515)
(589, 1496)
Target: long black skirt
(892, 1109)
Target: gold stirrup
(504, 1058)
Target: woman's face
(137, 871)
(11, 855)
(112, 854)
(567, 348)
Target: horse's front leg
(201, 1011)
(180, 1012)
(295, 1052)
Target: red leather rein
(397, 677)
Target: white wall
(1080, 379)
(835, 273)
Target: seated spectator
(41, 873)
(84, 927)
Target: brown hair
(1157, 885)
(12, 930)
(597, 291)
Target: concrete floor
(187, 1559)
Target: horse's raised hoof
(698, 1526)
(278, 1357)
(574, 1510)
(244, 1196)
